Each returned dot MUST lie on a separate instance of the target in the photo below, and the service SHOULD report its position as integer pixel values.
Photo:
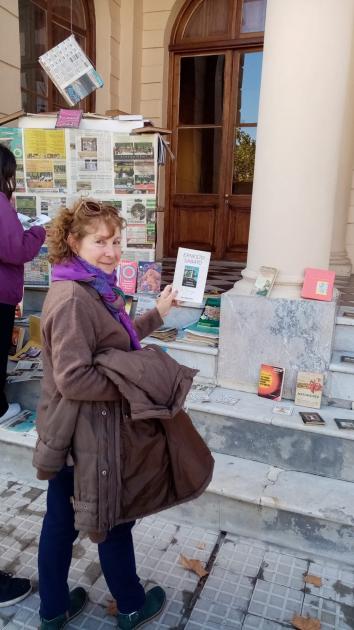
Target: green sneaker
(154, 603)
(78, 601)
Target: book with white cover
(191, 274)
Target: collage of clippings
(57, 167)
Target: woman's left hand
(166, 300)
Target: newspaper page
(50, 206)
(45, 160)
(70, 70)
(91, 164)
(134, 164)
(37, 271)
(139, 214)
(12, 138)
(26, 205)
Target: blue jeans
(58, 534)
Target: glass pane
(249, 87)
(33, 43)
(198, 160)
(253, 16)
(211, 18)
(62, 8)
(201, 90)
(244, 155)
(33, 103)
(60, 33)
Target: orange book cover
(271, 380)
(318, 284)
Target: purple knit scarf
(79, 270)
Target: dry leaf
(201, 546)
(112, 608)
(313, 579)
(193, 565)
(306, 623)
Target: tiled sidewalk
(251, 585)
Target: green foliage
(244, 156)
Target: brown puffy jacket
(131, 458)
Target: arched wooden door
(215, 70)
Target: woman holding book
(16, 247)
(85, 423)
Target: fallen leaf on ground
(312, 579)
(193, 565)
(201, 546)
(306, 623)
(112, 608)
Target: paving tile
(209, 615)
(224, 587)
(275, 602)
(332, 615)
(257, 623)
(241, 556)
(284, 569)
(337, 583)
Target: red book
(271, 380)
(318, 284)
(127, 273)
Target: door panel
(195, 222)
(238, 224)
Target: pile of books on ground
(26, 363)
(165, 333)
(24, 422)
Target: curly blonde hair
(75, 221)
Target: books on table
(271, 381)
(318, 284)
(309, 388)
(191, 275)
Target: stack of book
(206, 330)
(165, 333)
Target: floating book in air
(265, 281)
(126, 276)
(309, 388)
(191, 275)
(344, 423)
(149, 277)
(271, 381)
(318, 284)
(312, 418)
(70, 70)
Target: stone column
(306, 107)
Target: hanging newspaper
(91, 162)
(45, 160)
(11, 137)
(70, 70)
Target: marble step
(344, 332)
(309, 513)
(340, 378)
(244, 425)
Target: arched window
(43, 24)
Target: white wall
(10, 94)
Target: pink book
(318, 284)
(127, 273)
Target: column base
(290, 333)
(341, 264)
(285, 286)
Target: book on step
(311, 418)
(309, 388)
(271, 381)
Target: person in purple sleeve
(17, 246)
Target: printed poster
(45, 160)
(134, 164)
(91, 164)
(12, 138)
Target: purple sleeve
(17, 245)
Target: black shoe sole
(16, 600)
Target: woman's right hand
(166, 300)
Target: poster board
(59, 166)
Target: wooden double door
(213, 113)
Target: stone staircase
(340, 379)
(275, 478)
